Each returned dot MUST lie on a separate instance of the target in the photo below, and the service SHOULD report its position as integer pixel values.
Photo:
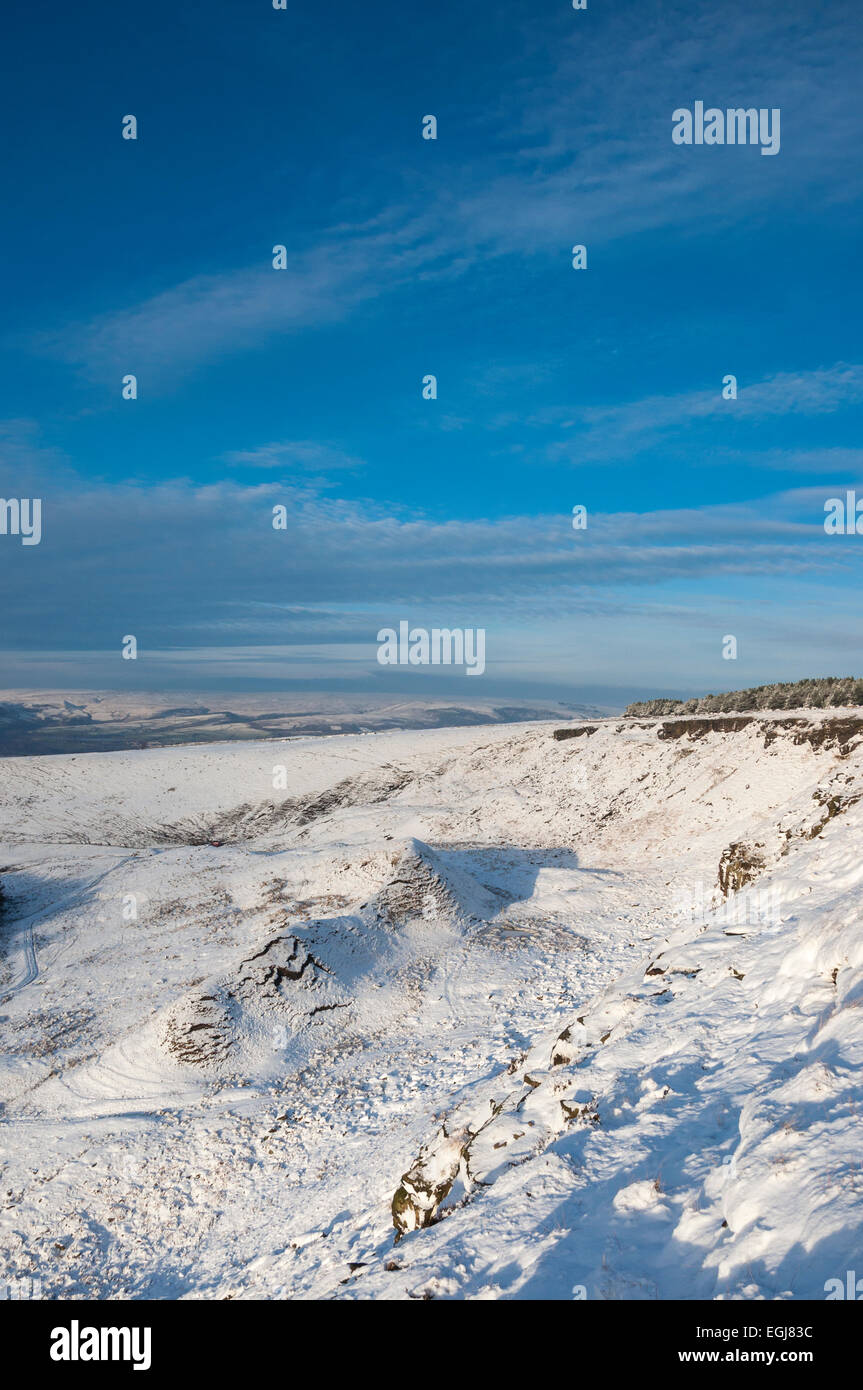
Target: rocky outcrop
(427, 1183)
(279, 986)
(739, 864)
(367, 789)
(697, 728)
(506, 1122)
(426, 886)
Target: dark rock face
(427, 1183)
(697, 728)
(281, 983)
(829, 733)
(831, 806)
(822, 733)
(739, 864)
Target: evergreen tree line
(822, 692)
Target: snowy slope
(482, 982)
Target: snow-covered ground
(250, 994)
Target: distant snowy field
(250, 993)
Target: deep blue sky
(406, 257)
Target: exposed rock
(368, 789)
(564, 1050)
(832, 806)
(279, 983)
(580, 1106)
(739, 864)
(697, 728)
(424, 888)
(426, 1183)
(198, 1030)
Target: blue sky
(406, 257)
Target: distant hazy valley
(34, 722)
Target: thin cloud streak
(189, 564)
(628, 178)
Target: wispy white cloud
(836, 462)
(604, 432)
(297, 454)
(174, 562)
(583, 154)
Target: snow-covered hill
(458, 1013)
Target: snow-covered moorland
(461, 1013)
